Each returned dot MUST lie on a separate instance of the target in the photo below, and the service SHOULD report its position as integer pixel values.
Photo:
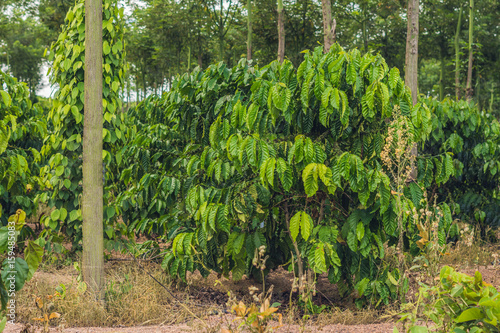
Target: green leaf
(306, 225)
(393, 77)
(4, 239)
(63, 213)
(110, 212)
(361, 286)
(360, 231)
(59, 170)
(325, 174)
(4, 140)
(319, 259)
(55, 214)
(115, 86)
(325, 96)
(3, 323)
(6, 98)
(33, 254)
(457, 290)
(73, 215)
(419, 329)
(238, 243)
(252, 114)
(105, 47)
(295, 225)
(470, 314)
(351, 73)
(310, 179)
(16, 270)
(270, 166)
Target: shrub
(458, 303)
(234, 159)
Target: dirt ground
(372, 328)
(214, 292)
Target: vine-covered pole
(92, 200)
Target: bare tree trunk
(300, 265)
(137, 97)
(364, 28)
(200, 55)
(492, 95)
(468, 89)
(329, 25)
(441, 75)
(249, 37)
(411, 63)
(411, 70)
(92, 199)
(221, 33)
(457, 56)
(281, 33)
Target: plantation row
(313, 163)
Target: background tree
(281, 33)
(249, 38)
(329, 24)
(411, 63)
(468, 88)
(22, 43)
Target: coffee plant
(21, 128)
(472, 137)
(234, 159)
(63, 146)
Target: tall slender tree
(92, 199)
(249, 21)
(468, 88)
(329, 25)
(281, 33)
(222, 19)
(411, 62)
(457, 55)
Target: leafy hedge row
(233, 159)
(473, 138)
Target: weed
(45, 308)
(255, 318)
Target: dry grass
(352, 317)
(469, 256)
(132, 298)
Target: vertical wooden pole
(92, 200)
